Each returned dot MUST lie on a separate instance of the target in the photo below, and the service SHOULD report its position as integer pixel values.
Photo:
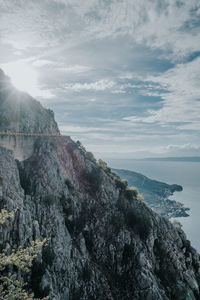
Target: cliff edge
(104, 243)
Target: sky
(122, 76)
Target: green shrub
(128, 253)
(102, 164)
(92, 179)
(81, 147)
(48, 255)
(89, 240)
(87, 273)
(121, 183)
(90, 156)
(140, 198)
(24, 179)
(134, 191)
(50, 200)
(177, 223)
(117, 220)
(69, 184)
(138, 222)
(121, 204)
(38, 270)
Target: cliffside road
(31, 134)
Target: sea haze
(184, 173)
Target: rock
(102, 243)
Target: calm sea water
(186, 174)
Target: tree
(12, 287)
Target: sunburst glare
(23, 77)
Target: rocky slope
(19, 112)
(103, 242)
(156, 193)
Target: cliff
(19, 112)
(103, 242)
(156, 193)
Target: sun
(23, 76)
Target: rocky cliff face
(103, 242)
(19, 112)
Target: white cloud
(100, 85)
(181, 101)
(163, 25)
(81, 129)
(42, 62)
(76, 69)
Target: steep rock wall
(104, 245)
(103, 242)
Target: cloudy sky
(122, 76)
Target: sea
(187, 174)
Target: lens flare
(23, 76)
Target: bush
(21, 260)
(90, 156)
(121, 183)
(24, 179)
(140, 198)
(89, 240)
(93, 179)
(102, 164)
(127, 253)
(50, 200)
(87, 273)
(117, 220)
(69, 184)
(138, 222)
(81, 147)
(177, 223)
(134, 191)
(38, 270)
(48, 255)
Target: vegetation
(102, 164)
(86, 273)
(121, 183)
(140, 198)
(24, 180)
(50, 200)
(140, 223)
(93, 179)
(90, 156)
(128, 253)
(11, 287)
(69, 184)
(81, 147)
(48, 255)
(89, 240)
(37, 271)
(177, 223)
(117, 220)
(131, 193)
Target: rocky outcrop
(19, 112)
(103, 242)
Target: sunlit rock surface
(19, 112)
(103, 244)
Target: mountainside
(19, 112)
(156, 193)
(104, 243)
